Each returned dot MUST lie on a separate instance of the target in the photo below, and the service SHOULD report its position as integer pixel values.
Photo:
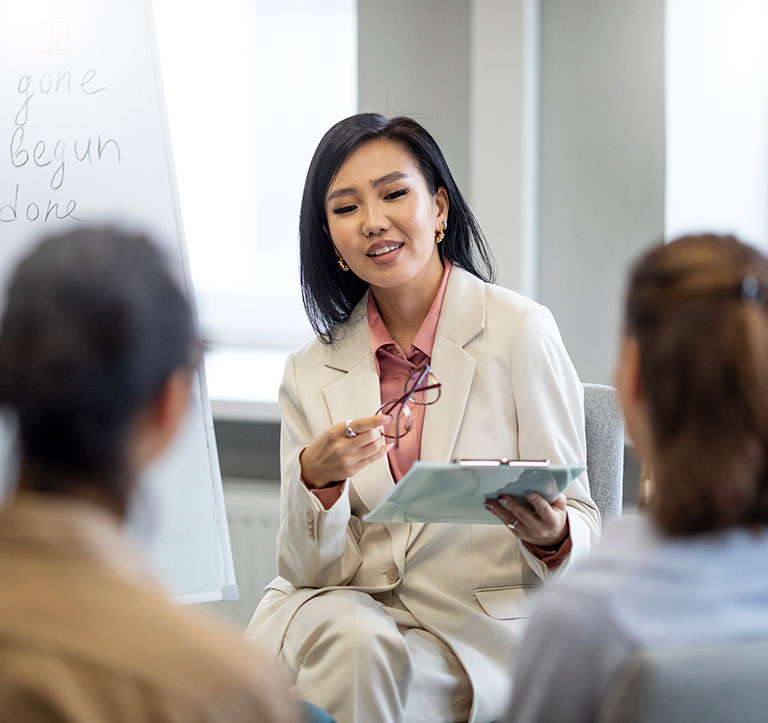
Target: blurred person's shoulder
(214, 669)
(84, 627)
(628, 547)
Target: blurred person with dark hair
(692, 376)
(97, 354)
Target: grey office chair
(704, 683)
(605, 448)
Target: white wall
(413, 60)
(602, 164)
(503, 133)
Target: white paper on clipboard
(433, 492)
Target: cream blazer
(508, 390)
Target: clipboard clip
(503, 462)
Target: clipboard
(456, 492)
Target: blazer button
(392, 575)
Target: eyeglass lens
(421, 387)
(402, 419)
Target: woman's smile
(384, 252)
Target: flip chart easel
(84, 138)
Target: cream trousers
(365, 661)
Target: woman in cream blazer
(508, 390)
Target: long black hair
(329, 293)
(94, 326)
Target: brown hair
(697, 308)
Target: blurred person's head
(97, 348)
(693, 381)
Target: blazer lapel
(357, 394)
(353, 396)
(462, 318)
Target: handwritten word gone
(45, 84)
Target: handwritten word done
(34, 211)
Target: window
(717, 118)
(251, 86)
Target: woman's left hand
(545, 525)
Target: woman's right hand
(332, 456)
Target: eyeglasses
(422, 388)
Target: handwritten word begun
(41, 156)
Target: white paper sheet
(432, 492)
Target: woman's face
(382, 217)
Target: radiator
(253, 514)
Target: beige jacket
(508, 390)
(87, 637)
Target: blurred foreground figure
(97, 352)
(693, 381)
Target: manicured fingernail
(531, 496)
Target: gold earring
(343, 264)
(439, 235)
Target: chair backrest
(605, 448)
(705, 683)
